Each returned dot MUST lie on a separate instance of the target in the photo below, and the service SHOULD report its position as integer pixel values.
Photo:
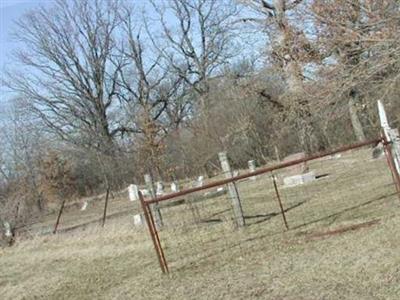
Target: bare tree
(24, 143)
(289, 50)
(197, 39)
(69, 69)
(154, 97)
(359, 38)
(289, 47)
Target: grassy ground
(211, 259)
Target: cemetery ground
(324, 254)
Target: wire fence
(336, 189)
(311, 195)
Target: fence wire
(345, 189)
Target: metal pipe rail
(264, 170)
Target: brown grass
(213, 260)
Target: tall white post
(233, 192)
(133, 192)
(252, 168)
(392, 135)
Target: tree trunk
(355, 121)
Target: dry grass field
(322, 256)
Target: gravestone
(174, 187)
(84, 206)
(298, 168)
(198, 182)
(299, 179)
(215, 193)
(252, 168)
(333, 156)
(7, 229)
(159, 188)
(233, 192)
(133, 192)
(138, 220)
(299, 173)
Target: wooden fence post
(233, 191)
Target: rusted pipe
(278, 197)
(105, 207)
(391, 163)
(156, 242)
(157, 238)
(59, 216)
(263, 171)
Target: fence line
(267, 170)
(148, 213)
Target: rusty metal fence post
(278, 197)
(59, 216)
(154, 234)
(391, 163)
(105, 207)
(232, 179)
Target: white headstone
(252, 168)
(199, 181)
(7, 229)
(299, 179)
(84, 206)
(235, 173)
(138, 220)
(174, 187)
(133, 192)
(159, 189)
(335, 156)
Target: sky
(10, 11)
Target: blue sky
(10, 11)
